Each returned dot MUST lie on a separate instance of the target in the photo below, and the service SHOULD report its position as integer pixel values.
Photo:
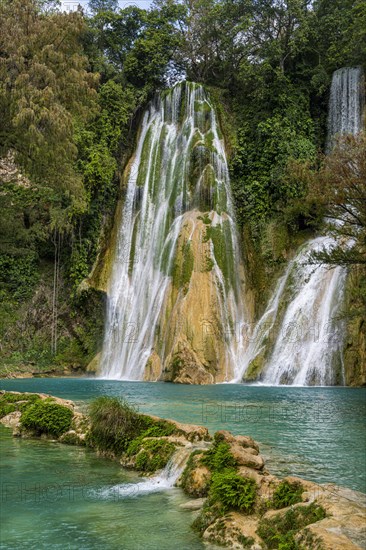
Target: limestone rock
(195, 504)
(245, 458)
(11, 420)
(191, 339)
(153, 368)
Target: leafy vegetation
(287, 494)
(47, 417)
(279, 531)
(117, 427)
(233, 491)
(218, 457)
(154, 454)
(11, 402)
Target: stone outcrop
(191, 342)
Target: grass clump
(48, 418)
(117, 427)
(287, 494)
(233, 491)
(279, 531)
(114, 423)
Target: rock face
(191, 346)
(344, 524)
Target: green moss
(154, 454)
(221, 238)
(11, 402)
(183, 267)
(6, 408)
(279, 531)
(254, 368)
(47, 417)
(205, 218)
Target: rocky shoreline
(238, 503)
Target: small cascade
(299, 339)
(165, 479)
(175, 275)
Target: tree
(340, 186)
(103, 5)
(44, 86)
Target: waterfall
(299, 339)
(176, 226)
(345, 103)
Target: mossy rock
(47, 417)
(255, 368)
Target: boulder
(11, 420)
(245, 458)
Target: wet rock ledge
(237, 503)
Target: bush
(279, 531)
(47, 417)
(219, 458)
(233, 491)
(287, 494)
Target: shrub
(287, 494)
(219, 458)
(279, 531)
(47, 417)
(233, 491)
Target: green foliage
(233, 491)
(47, 418)
(287, 494)
(218, 457)
(117, 427)
(6, 408)
(10, 402)
(279, 531)
(154, 454)
(114, 423)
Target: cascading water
(165, 479)
(345, 104)
(299, 339)
(178, 181)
